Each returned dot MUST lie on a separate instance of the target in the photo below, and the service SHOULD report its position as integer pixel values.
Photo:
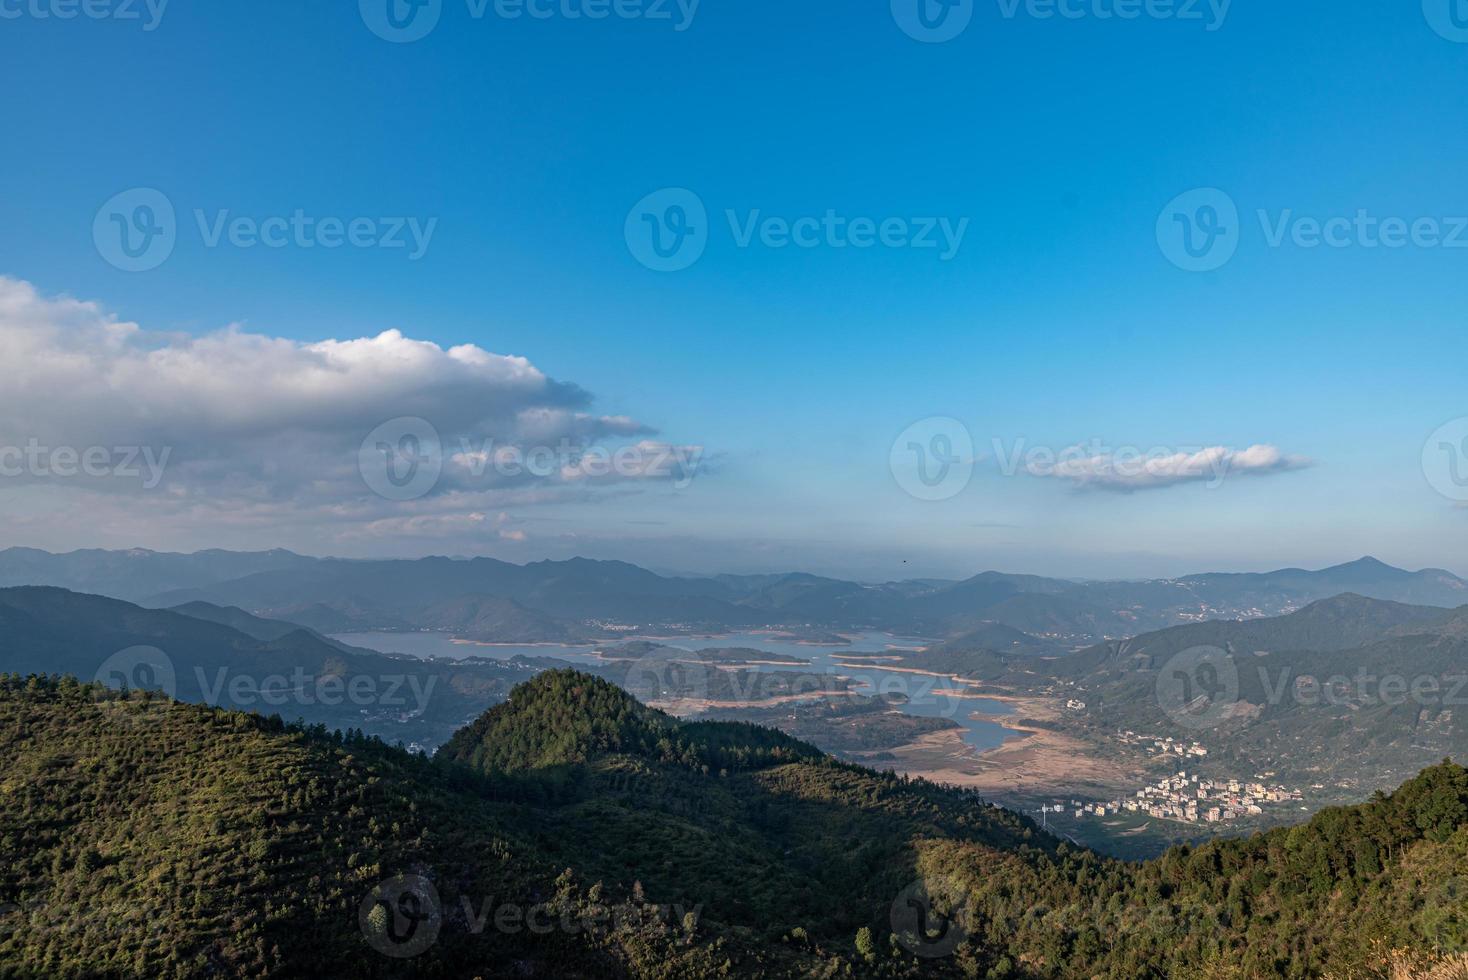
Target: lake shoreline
(1032, 760)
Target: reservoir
(860, 661)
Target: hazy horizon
(904, 573)
(1100, 324)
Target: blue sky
(1059, 321)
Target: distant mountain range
(1350, 692)
(1355, 736)
(225, 656)
(572, 833)
(136, 573)
(563, 601)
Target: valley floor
(1036, 760)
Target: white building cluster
(1193, 799)
(1163, 746)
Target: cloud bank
(1126, 471)
(241, 427)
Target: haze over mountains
(574, 833)
(225, 656)
(562, 601)
(1350, 692)
(1262, 712)
(221, 615)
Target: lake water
(926, 696)
(444, 645)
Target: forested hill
(565, 716)
(142, 837)
(1350, 693)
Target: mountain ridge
(364, 594)
(296, 845)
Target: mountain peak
(1366, 567)
(1356, 604)
(558, 717)
(565, 716)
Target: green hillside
(235, 660)
(1378, 684)
(142, 837)
(565, 716)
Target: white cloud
(265, 431)
(120, 380)
(1126, 470)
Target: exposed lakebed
(860, 662)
